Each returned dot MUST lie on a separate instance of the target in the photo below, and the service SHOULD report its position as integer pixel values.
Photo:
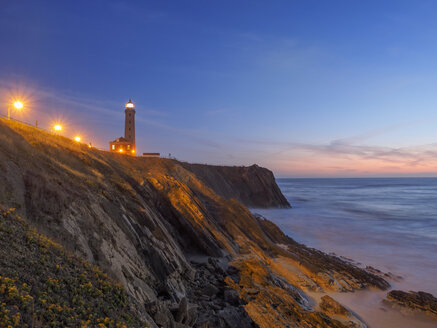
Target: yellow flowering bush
(42, 285)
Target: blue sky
(306, 88)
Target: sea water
(387, 223)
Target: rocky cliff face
(253, 186)
(188, 253)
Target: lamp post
(18, 105)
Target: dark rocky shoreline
(414, 301)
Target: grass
(43, 285)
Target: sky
(307, 88)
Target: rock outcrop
(414, 301)
(253, 186)
(334, 309)
(186, 250)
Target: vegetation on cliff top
(42, 285)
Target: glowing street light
(57, 127)
(77, 139)
(18, 106)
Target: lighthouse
(129, 123)
(126, 144)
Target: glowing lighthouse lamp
(130, 104)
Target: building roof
(121, 139)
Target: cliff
(185, 255)
(253, 186)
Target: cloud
(343, 157)
(40, 96)
(406, 155)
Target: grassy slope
(42, 285)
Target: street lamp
(77, 139)
(18, 106)
(57, 127)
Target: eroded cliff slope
(186, 255)
(253, 186)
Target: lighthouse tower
(126, 145)
(129, 123)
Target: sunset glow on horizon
(359, 167)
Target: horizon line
(361, 177)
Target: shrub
(43, 285)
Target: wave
(391, 225)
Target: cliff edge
(253, 186)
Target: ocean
(388, 223)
